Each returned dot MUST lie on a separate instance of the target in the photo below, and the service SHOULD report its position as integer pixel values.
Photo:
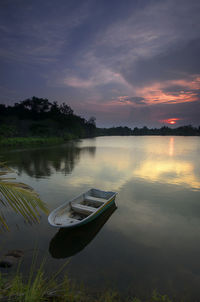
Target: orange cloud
(156, 93)
(159, 93)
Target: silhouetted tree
(65, 109)
(39, 117)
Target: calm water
(152, 239)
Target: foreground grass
(39, 288)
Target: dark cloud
(177, 63)
(179, 90)
(137, 100)
(174, 89)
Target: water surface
(152, 239)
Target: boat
(67, 242)
(81, 209)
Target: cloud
(151, 54)
(174, 64)
(99, 76)
(171, 91)
(126, 100)
(129, 65)
(146, 32)
(78, 83)
(38, 35)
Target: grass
(29, 141)
(39, 288)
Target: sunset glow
(170, 121)
(162, 92)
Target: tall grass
(38, 287)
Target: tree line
(39, 117)
(187, 130)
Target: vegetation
(19, 197)
(39, 288)
(38, 121)
(183, 130)
(37, 117)
(27, 141)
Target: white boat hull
(82, 209)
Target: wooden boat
(81, 209)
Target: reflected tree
(43, 162)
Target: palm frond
(21, 198)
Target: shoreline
(54, 140)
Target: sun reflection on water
(170, 171)
(156, 160)
(171, 146)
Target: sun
(171, 121)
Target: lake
(151, 240)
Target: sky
(130, 62)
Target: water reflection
(170, 160)
(153, 239)
(44, 162)
(171, 146)
(111, 162)
(177, 172)
(67, 243)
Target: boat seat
(60, 220)
(95, 199)
(82, 209)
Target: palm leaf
(21, 198)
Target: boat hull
(82, 210)
(69, 241)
